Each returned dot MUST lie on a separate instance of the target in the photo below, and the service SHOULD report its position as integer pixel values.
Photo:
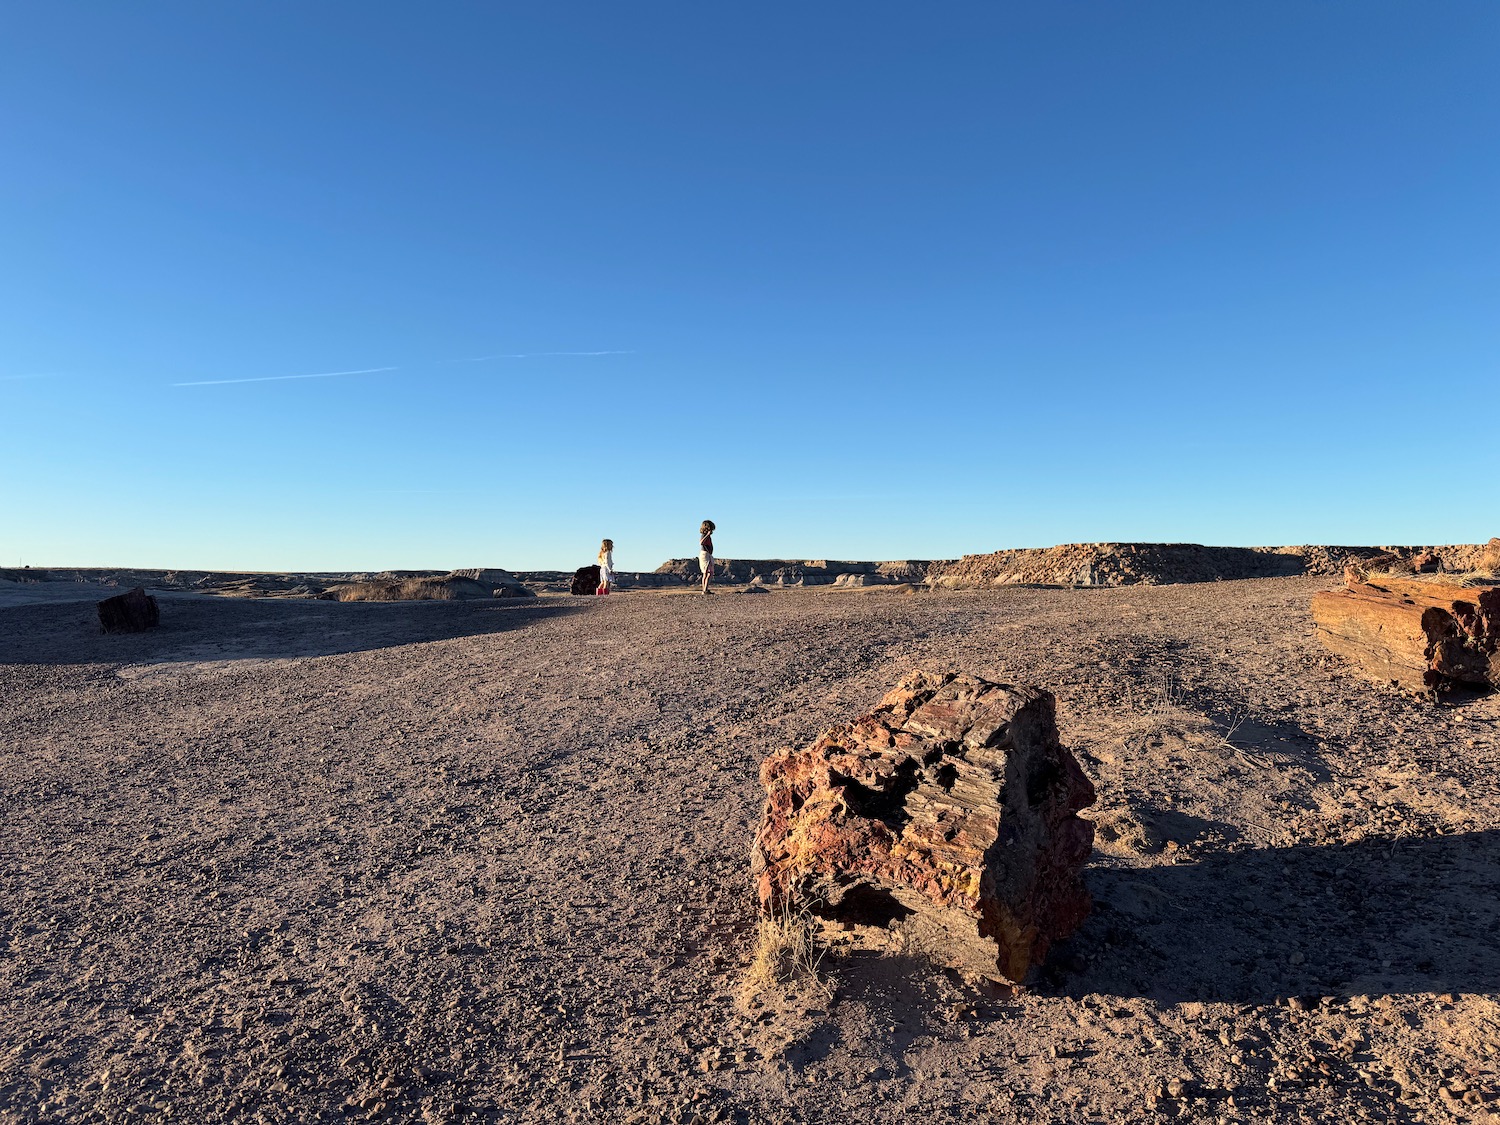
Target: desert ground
(289, 861)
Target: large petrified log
(134, 612)
(585, 580)
(949, 813)
(1420, 636)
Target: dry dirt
(305, 861)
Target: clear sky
(854, 279)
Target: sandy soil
(304, 861)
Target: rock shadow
(1280, 741)
(894, 993)
(199, 629)
(1376, 917)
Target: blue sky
(855, 280)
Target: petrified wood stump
(134, 612)
(585, 580)
(1421, 636)
(948, 814)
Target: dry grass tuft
(1489, 559)
(787, 953)
(407, 590)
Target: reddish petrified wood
(948, 814)
(134, 612)
(1422, 636)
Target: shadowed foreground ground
(290, 861)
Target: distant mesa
(1079, 564)
(1069, 564)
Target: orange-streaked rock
(949, 813)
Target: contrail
(532, 355)
(274, 378)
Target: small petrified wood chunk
(948, 814)
(134, 612)
(1421, 636)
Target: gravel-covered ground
(304, 861)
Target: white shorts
(705, 562)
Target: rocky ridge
(1162, 564)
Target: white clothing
(706, 562)
(606, 568)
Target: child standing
(706, 551)
(606, 566)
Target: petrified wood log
(586, 580)
(1421, 636)
(134, 612)
(948, 814)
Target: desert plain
(287, 860)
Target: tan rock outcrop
(1418, 635)
(949, 813)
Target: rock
(1488, 561)
(502, 583)
(1420, 636)
(1426, 563)
(134, 612)
(949, 813)
(585, 580)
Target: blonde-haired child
(606, 566)
(706, 551)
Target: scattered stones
(134, 612)
(948, 814)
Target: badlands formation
(297, 852)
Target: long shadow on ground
(1376, 917)
(202, 628)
